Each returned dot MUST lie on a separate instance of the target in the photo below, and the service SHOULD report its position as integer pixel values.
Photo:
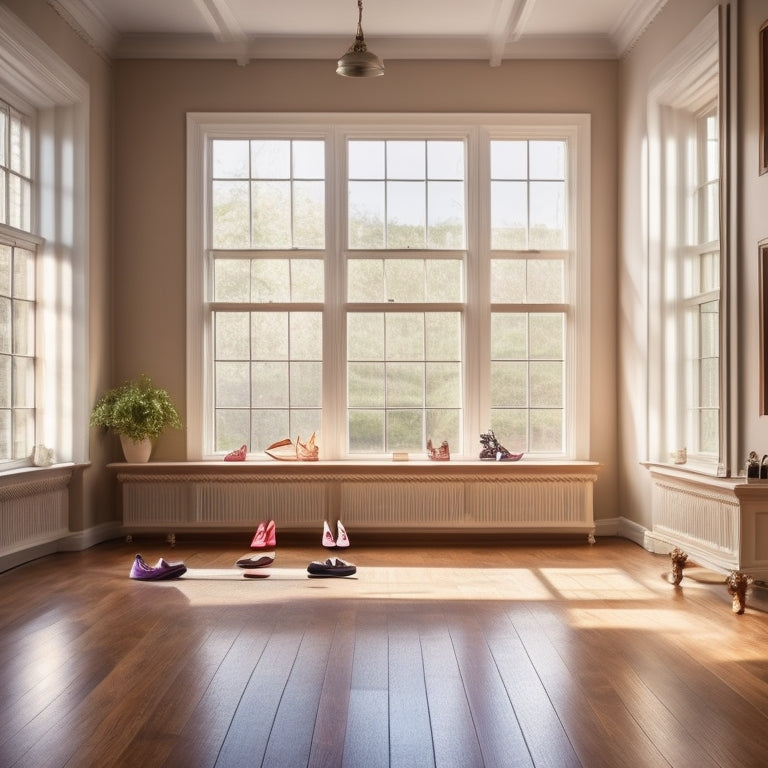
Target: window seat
(526, 496)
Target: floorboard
(545, 654)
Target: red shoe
(260, 537)
(238, 454)
(270, 536)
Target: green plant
(136, 409)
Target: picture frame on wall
(763, 97)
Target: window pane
(230, 214)
(309, 159)
(268, 427)
(446, 214)
(405, 385)
(445, 159)
(547, 215)
(306, 336)
(366, 159)
(366, 431)
(23, 382)
(6, 387)
(405, 430)
(509, 384)
(406, 160)
(444, 280)
(230, 159)
(6, 327)
(547, 159)
(269, 335)
(546, 384)
(546, 281)
(232, 385)
(270, 384)
(509, 215)
(405, 280)
(232, 335)
(546, 431)
(270, 159)
(366, 385)
(443, 332)
(232, 428)
(307, 280)
(366, 214)
(547, 336)
(306, 384)
(23, 274)
(444, 424)
(365, 280)
(406, 214)
(271, 204)
(24, 328)
(270, 280)
(365, 336)
(309, 214)
(443, 385)
(232, 280)
(509, 159)
(509, 336)
(405, 336)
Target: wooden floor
(556, 654)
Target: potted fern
(138, 412)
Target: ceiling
(491, 30)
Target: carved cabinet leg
(679, 559)
(738, 583)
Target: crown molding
(85, 17)
(633, 23)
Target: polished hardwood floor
(513, 653)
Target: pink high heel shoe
(265, 536)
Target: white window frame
(36, 80)
(477, 130)
(684, 85)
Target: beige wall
(753, 204)
(749, 431)
(92, 496)
(152, 99)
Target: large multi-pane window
(267, 263)
(383, 285)
(17, 289)
(701, 292)
(528, 287)
(687, 264)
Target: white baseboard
(80, 540)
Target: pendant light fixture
(358, 61)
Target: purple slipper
(160, 571)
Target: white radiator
(34, 510)
(721, 523)
(431, 498)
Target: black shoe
(333, 566)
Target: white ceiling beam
(509, 22)
(224, 27)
